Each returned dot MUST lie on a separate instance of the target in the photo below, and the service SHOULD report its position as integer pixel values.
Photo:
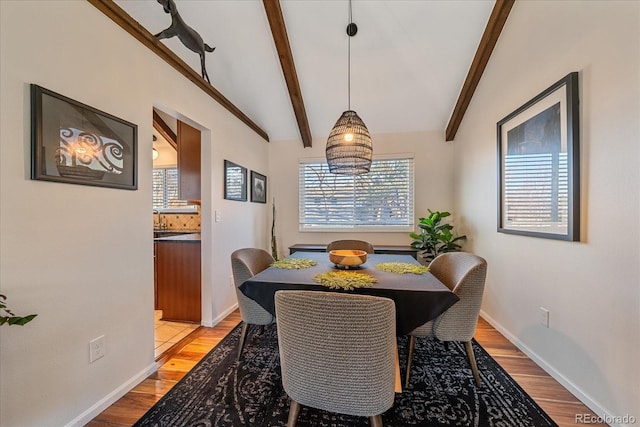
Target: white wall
(592, 287)
(80, 256)
(433, 183)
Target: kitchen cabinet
(188, 147)
(178, 278)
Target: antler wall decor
(187, 35)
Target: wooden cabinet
(178, 280)
(394, 250)
(188, 161)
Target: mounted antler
(187, 35)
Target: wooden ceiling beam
(281, 40)
(496, 22)
(163, 129)
(120, 17)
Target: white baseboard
(112, 397)
(573, 389)
(221, 316)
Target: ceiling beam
(496, 22)
(281, 40)
(120, 17)
(163, 129)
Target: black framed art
(235, 182)
(258, 187)
(539, 165)
(77, 144)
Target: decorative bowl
(347, 258)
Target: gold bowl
(347, 258)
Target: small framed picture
(235, 182)
(74, 143)
(258, 187)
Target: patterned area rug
(217, 392)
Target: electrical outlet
(218, 215)
(231, 282)
(544, 317)
(97, 348)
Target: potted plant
(435, 237)
(7, 317)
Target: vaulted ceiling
(409, 59)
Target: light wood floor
(548, 393)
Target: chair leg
(412, 344)
(243, 336)
(294, 410)
(375, 421)
(472, 362)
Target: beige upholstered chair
(337, 352)
(464, 273)
(360, 245)
(245, 264)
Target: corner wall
(81, 257)
(592, 287)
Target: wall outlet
(231, 282)
(218, 215)
(97, 348)
(544, 317)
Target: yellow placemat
(294, 263)
(401, 268)
(347, 280)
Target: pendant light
(349, 147)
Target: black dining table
(419, 298)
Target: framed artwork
(77, 144)
(539, 165)
(258, 187)
(235, 182)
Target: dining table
(418, 298)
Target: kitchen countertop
(190, 237)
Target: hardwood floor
(547, 392)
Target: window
(381, 200)
(165, 191)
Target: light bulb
(155, 154)
(348, 137)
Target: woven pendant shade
(349, 147)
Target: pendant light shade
(349, 148)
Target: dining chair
(246, 263)
(337, 352)
(464, 274)
(359, 245)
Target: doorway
(177, 226)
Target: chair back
(337, 351)
(246, 263)
(464, 273)
(359, 245)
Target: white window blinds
(165, 189)
(381, 200)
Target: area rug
(219, 392)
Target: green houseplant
(435, 237)
(7, 317)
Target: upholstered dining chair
(359, 245)
(337, 352)
(464, 273)
(246, 263)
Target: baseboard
(573, 389)
(112, 397)
(221, 316)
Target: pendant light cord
(349, 60)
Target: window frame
(354, 228)
(187, 208)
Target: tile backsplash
(177, 221)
